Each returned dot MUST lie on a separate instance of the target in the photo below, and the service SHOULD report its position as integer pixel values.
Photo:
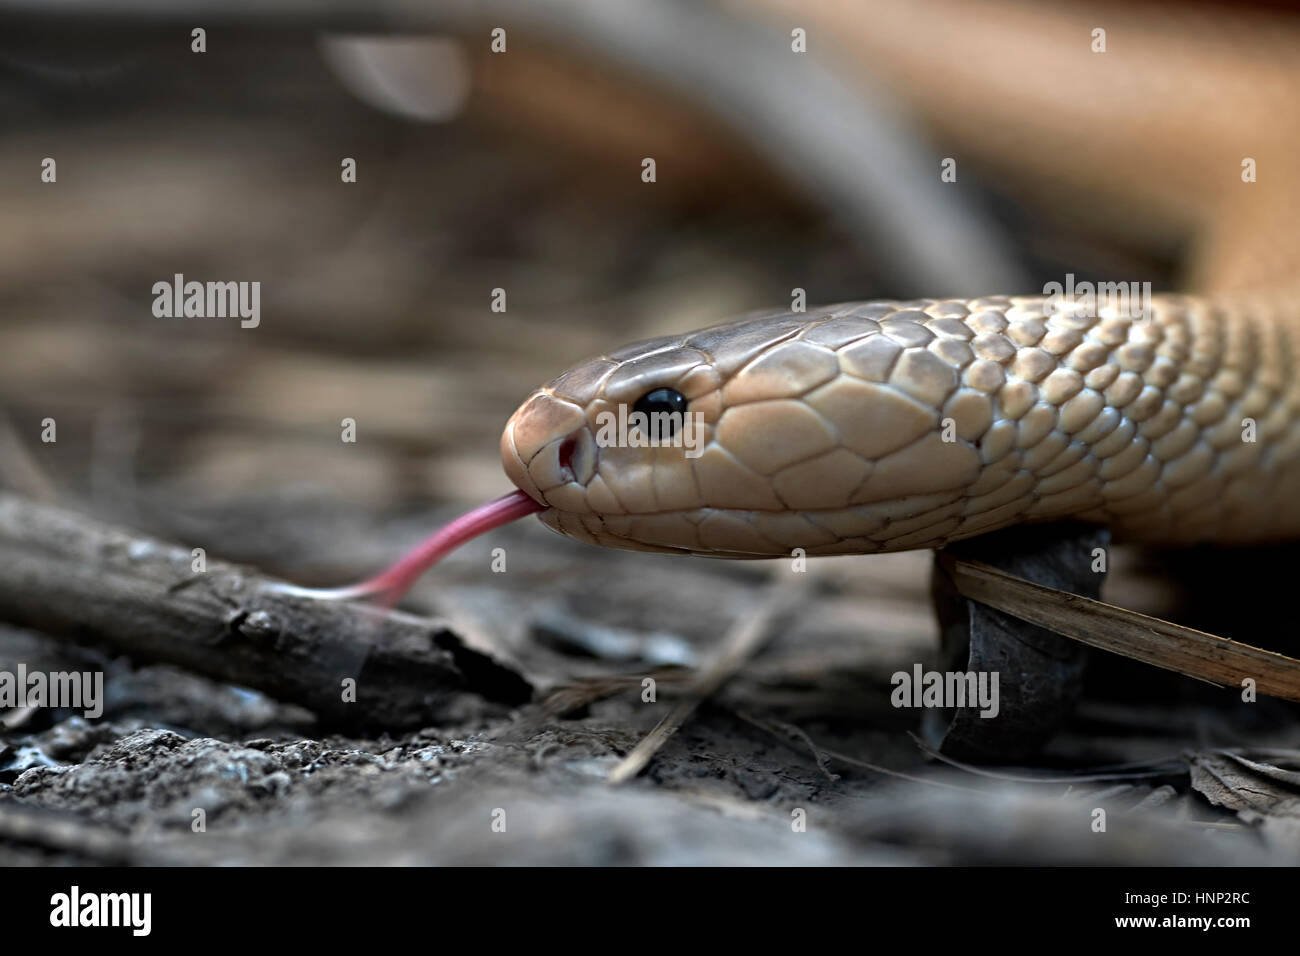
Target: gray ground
(805, 726)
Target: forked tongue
(395, 580)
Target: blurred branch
(844, 147)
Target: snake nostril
(576, 457)
(566, 457)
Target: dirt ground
(799, 760)
(375, 309)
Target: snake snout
(547, 449)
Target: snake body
(885, 426)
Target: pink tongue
(397, 578)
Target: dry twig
(1193, 653)
(75, 578)
(741, 643)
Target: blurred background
(475, 171)
(520, 170)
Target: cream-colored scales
(885, 426)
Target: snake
(888, 425)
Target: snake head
(821, 431)
(609, 446)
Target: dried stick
(1206, 657)
(76, 578)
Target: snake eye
(667, 402)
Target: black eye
(663, 402)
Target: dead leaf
(1250, 787)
